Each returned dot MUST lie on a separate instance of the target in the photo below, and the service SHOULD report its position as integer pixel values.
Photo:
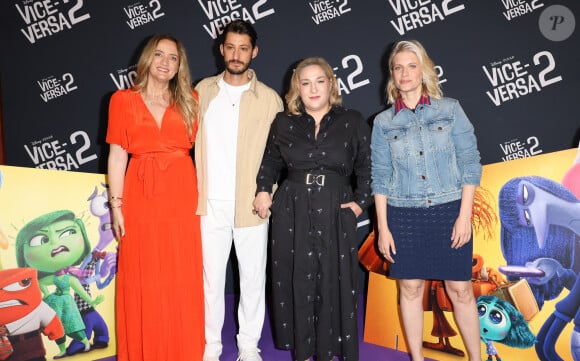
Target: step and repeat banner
(513, 64)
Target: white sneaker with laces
(249, 354)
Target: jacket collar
(400, 104)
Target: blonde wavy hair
(179, 87)
(430, 79)
(293, 101)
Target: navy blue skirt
(423, 242)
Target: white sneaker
(211, 358)
(249, 354)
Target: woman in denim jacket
(425, 162)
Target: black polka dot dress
(314, 246)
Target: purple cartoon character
(540, 236)
(99, 267)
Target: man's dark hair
(241, 27)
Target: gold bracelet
(115, 203)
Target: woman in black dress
(325, 150)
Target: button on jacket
(423, 158)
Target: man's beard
(235, 71)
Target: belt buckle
(319, 179)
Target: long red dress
(159, 305)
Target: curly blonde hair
(179, 87)
(430, 85)
(293, 100)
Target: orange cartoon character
(23, 316)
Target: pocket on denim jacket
(397, 141)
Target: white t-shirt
(221, 119)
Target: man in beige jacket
(235, 113)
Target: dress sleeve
(118, 114)
(362, 165)
(272, 162)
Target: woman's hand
(262, 203)
(461, 232)
(386, 245)
(354, 207)
(118, 223)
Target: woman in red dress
(153, 197)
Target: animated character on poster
(99, 267)
(501, 322)
(571, 179)
(101, 264)
(23, 316)
(540, 233)
(53, 243)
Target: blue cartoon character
(99, 267)
(540, 236)
(501, 322)
(53, 243)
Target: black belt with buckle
(318, 179)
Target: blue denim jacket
(423, 158)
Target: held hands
(461, 232)
(386, 245)
(354, 207)
(261, 204)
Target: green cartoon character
(53, 243)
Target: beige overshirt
(258, 107)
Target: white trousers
(217, 233)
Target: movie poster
(526, 273)
(58, 260)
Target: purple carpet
(368, 351)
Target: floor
(368, 352)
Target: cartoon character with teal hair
(53, 243)
(501, 322)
